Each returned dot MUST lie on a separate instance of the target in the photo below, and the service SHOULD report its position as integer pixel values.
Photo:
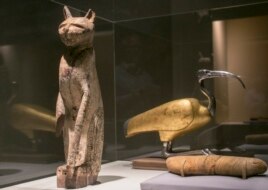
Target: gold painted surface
(29, 118)
(171, 119)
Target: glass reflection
(147, 53)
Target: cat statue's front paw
(70, 172)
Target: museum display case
(148, 53)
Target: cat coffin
(79, 109)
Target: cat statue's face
(77, 31)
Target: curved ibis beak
(206, 74)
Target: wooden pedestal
(81, 178)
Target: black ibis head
(208, 74)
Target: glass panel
(104, 48)
(122, 10)
(240, 46)
(103, 8)
(147, 53)
(30, 51)
(143, 76)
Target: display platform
(174, 182)
(114, 175)
(120, 175)
(15, 172)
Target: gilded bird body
(171, 120)
(179, 117)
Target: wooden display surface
(149, 163)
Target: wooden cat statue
(79, 109)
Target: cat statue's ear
(66, 12)
(90, 15)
